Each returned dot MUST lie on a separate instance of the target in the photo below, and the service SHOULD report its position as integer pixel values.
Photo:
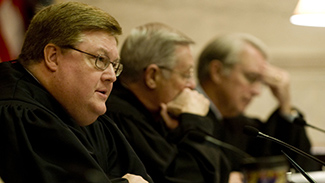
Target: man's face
(238, 88)
(181, 76)
(82, 88)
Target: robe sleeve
(171, 157)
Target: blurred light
(309, 13)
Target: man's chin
(102, 111)
(237, 112)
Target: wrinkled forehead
(184, 57)
(100, 42)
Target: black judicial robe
(230, 130)
(40, 142)
(169, 156)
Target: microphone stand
(302, 171)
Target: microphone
(248, 130)
(302, 122)
(202, 138)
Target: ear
(216, 71)
(151, 76)
(51, 56)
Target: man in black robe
(52, 99)
(231, 71)
(155, 106)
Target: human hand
(134, 178)
(236, 177)
(279, 82)
(170, 122)
(188, 101)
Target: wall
(300, 50)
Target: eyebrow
(118, 60)
(104, 51)
(253, 73)
(106, 54)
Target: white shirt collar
(213, 107)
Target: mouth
(102, 93)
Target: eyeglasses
(188, 76)
(252, 78)
(101, 62)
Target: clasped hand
(279, 82)
(188, 101)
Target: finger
(169, 121)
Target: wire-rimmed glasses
(102, 61)
(188, 76)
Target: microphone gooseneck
(200, 137)
(302, 122)
(248, 130)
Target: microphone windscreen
(197, 137)
(299, 121)
(249, 130)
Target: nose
(109, 74)
(191, 83)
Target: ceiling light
(309, 13)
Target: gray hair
(226, 49)
(152, 43)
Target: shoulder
(125, 106)
(20, 106)
(18, 113)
